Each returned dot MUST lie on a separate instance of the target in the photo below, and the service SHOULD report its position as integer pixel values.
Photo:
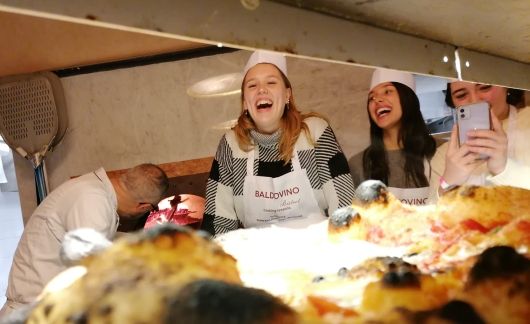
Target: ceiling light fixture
(221, 85)
(250, 4)
(226, 125)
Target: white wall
(120, 118)
(11, 228)
(10, 218)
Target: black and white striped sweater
(325, 164)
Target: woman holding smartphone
(507, 158)
(400, 146)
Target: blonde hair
(292, 124)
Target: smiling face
(384, 106)
(264, 96)
(464, 93)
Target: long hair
(413, 136)
(291, 125)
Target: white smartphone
(472, 117)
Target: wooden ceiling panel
(32, 44)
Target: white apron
(414, 196)
(411, 196)
(286, 201)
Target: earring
(246, 112)
(287, 104)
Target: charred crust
(105, 310)
(380, 266)
(78, 318)
(212, 301)
(166, 229)
(498, 262)
(158, 233)
(394, 263)
(401, 279)
(400, 274)
(455, 311)
(372, 191)
(48, 309)
(343, 217)
(343, 272)
(317, 279)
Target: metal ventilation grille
(28, 107)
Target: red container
(184, 210)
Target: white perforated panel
(23, 101)
(28, 116)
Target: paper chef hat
(381, 75)
(261, 56)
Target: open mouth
(381, 112)
(264, 104)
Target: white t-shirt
(87, 201)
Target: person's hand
(459, 161)
(492, 143)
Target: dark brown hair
(413, 135)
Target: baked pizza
(464, 260)
(428, 279)
(464, 222)
(139, 278)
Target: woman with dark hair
(514, 97)
(277, 165)
(508, 156)
(400, 145)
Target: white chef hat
(382, 75)
(261, 56)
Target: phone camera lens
(463, 116)
(462, 110)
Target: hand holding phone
(493, 143)
(472, 117)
